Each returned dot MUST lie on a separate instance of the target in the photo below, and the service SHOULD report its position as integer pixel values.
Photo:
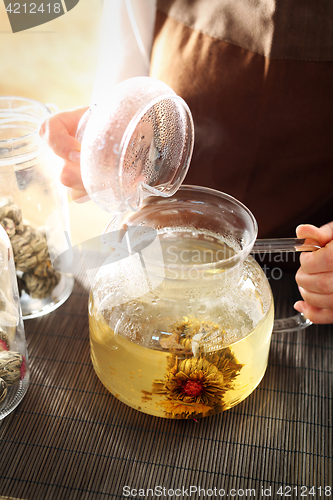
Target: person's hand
(59, 132)
(315, 275)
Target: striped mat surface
(70, 439)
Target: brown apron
(258, 77)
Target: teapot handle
(291, 324)
(285, 245)
(299, 321)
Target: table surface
(69, 438)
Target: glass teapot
(181, 326)
(180, 314)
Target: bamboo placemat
(70, 439)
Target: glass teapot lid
(136, 143)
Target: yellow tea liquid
(129, 370)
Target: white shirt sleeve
(127, 29)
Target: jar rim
(17, 113)
(45, 112)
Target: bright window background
(56, 63)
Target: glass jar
(33, 206)
(14, 366)
(180, 315)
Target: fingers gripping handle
(299, 321)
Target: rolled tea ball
(12, 367)
(3, 390)
(40, 287)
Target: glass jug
(180, 315)
(33, 206)
(14, 367)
